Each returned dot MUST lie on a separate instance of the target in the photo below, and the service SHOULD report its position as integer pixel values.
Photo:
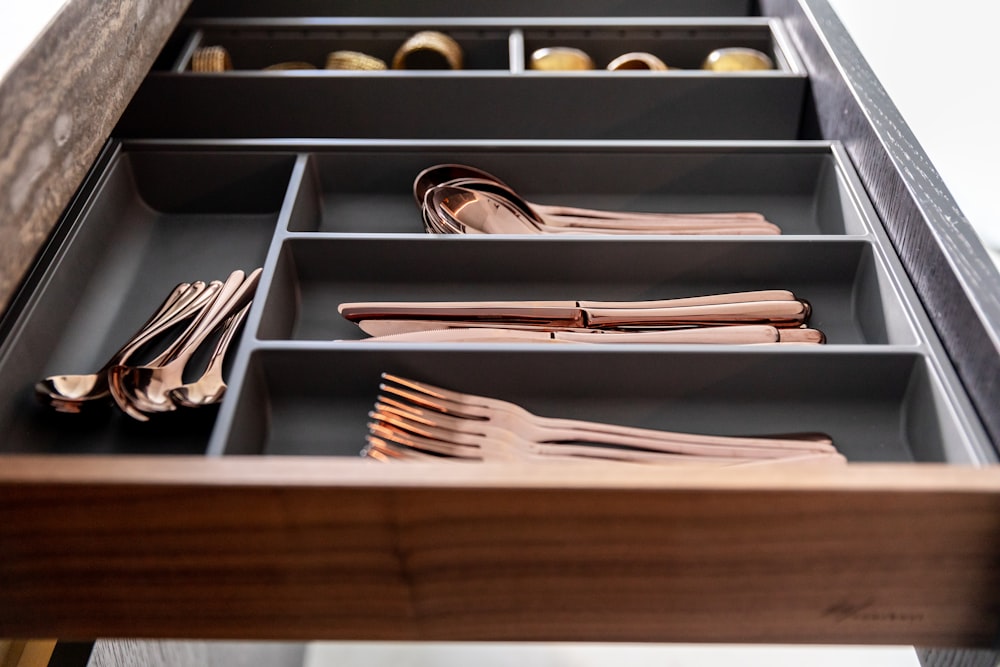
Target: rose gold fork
(390, 437)
(465, 431)
(494, 444)
(421, 396)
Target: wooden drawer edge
(323, 549)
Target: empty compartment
(799, 188)
(679, 47)
(482, 49)
(156, 220)
(876, 407)
(853, 299)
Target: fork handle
(581, 430)
(710, 446)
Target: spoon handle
(214, 368)
(234, 293)
(181, 304)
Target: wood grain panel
(59, 104)
(326, 549)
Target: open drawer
(258, 519)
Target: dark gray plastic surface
(800, 188)
(852, 299)
(154, 221)
(493, 97)
(325, 220)
(877, 407)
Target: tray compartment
(682, 48)
(802, 189)
(491, 98)
(483, 49)
(877, 407)
(853, 299)
(155, 220)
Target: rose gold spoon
(145, 389)
(210, 387)
(459, 174)
(71, 393)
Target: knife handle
(775, 313)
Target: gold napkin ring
(211, 59)
(354, 60)
(444, 51)
(289, 65)
(737, 59)
(556, 58)
(638, 60)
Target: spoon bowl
(146, 389)
(479, 212)
(211, 386)
(72, 393)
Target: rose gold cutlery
(210, 387)
(444, 332)
(762, 316)
(139, 390)
(452, 209)
(70, 393)
(456, 199)
(157, 385)
(420, 421)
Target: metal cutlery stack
(158, 385)
(417, 421)
(461, 199)
(755, 317)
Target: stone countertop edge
(58, 105)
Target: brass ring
(354, 60)
(555, 58)
(737, 59)
(444, 52)
(289, 65)
(211, 59)
(638, 60)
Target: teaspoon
(70, 393)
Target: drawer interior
(804, 192)
(852, 298)
(876, 407)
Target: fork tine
(422, 444)
(431, 418)
(385, 451)
(438, 404)
(400, 422)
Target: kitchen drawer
(258, 519)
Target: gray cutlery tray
(493, 96)
(156, 213)
(805, 188)
(877, 407)
(853, 299)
